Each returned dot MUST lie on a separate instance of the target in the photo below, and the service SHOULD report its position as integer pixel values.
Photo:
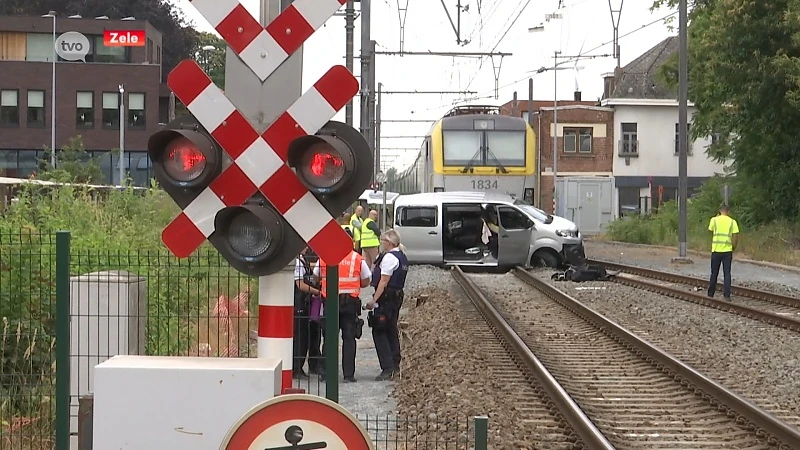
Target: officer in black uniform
(304, 288)
(388, 279)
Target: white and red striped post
(276, 320)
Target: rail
(733, 404)
(769, 317)
(580, 423)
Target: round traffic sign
(297, 421)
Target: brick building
(87, 94)
(585, 144)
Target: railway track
(555, 421)
(636, 395)
(775, 309)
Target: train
(474, 148)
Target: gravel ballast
(758, 361)
(744, 274)
(444, 376)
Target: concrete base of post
(682, 260)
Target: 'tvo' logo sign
(124, 38)
(73, 46)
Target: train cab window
(511, 219)
(461, 147)
(417, 216)
(507, 146)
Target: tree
(73, 165)
(179, 39)
(744, 79)
(212, 61)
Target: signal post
(260, 171)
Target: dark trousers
(493, 245)
(387, 339)
(316, 331)
(724, 259)
(347, 323)
(349, 311)
(300, 339)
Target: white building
(646, 126)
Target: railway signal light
(185, 158)
(334, 165)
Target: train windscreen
(462, 147)
(506, 148)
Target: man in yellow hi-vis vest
(355, 222)
(724, 238)
(370, 240)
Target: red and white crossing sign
(259, 161)
(263, 49)
(297, 421)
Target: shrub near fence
(196, 306)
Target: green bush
(759, 238)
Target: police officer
(388, 279)
(304, 288)
(724, 238)
(354, 274)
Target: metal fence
(66, 310)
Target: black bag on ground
(587, 272)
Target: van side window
(511, 219)
(418, 216)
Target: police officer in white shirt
(388, 279)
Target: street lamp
(53, 96)
(121, 134)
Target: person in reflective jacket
(388, 279)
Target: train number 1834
(484, 184)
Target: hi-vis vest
(349, 275)
(368, 237)
(723, 228)
(356, 230)
(351, 231)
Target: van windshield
(537, 213)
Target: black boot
(384, 375)
(299, 374)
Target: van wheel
(545, 258)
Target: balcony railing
(628, 148)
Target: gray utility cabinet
(587, 201)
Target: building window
(103, 54)
(110, 109)
(677, 138)
(39, 47)
(9, 108)
(84, 110)
(12, 46)
(577, 140)
(136, 116)
(35, 108)
(629, 144)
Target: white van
(445, 228)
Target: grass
(777, 242)
(27, 380)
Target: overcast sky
(489, 25)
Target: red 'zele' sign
(124, 38)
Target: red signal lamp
(334, 164)
(185, 158)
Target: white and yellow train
(474, 148)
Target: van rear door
(420, 232)
(515, 236)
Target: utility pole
(378, 134)
(555, 128)
(538, 194)
(683, 128)
(349, 27)
(366, 57)
(371, 100)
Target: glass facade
(24, 163)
